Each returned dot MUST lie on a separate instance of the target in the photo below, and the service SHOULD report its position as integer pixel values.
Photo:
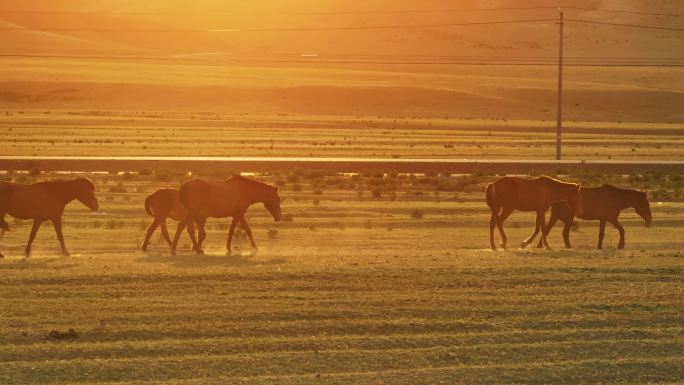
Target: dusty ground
(352, 290)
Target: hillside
(203, 55)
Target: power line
(342, 12)
(483, 61)
(624, 11)
(286, 29)
(313, 13)
(625, 25)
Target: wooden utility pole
(559, 124)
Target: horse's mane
(554, 180)
(56, 182)
(606, 186)
(242, 179)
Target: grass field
(352, 290)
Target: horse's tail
(490, 195)
(4, 226)
(5, 195)
(148, 207)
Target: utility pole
(559, 124)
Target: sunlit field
(382, 123)
(371, 278)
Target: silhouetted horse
(165, 203)
(508, 194)
(225, 198)
(44, 201)
(603, 204)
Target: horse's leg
(201, 234)
(58, 229)
(602, 230)
(529, 239)
(231, 232)
(32, 236)
(548, 228)
(243, 221)
(566, 233)
(164, 231)
(176, 237)
(191, 233)
(179, 230)
(505, 213)
(148, 234)
(621, 229)
(492, 225)
(542, 226)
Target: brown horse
(603, 204)
(225, 198)
(165, 203)
(508, 194)
(44, 201)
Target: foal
(162, 204)
(603, 204)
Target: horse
(225, 198)
(603, 204)
(165, 203)
(44, 201)
(508, 194)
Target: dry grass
(346, 303)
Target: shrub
(417, 214)
(273, 233)
(288, 217)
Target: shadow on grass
(208, 260)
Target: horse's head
(574, 200)
(85, 193)
(272, 203)
(643, 208)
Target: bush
(273, 233)
(288, 217)
(417, 214)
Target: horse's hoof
(66, 254)
(2, 255)
(199, 252)
(523, 245)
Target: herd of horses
(199, 199)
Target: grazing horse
(508, 194)
(603, 204)
(165, 203)
(225, 198)
(44, 201)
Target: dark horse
(44, 201)
(603, 204)
(225, 198)
(165, 203)
(508, 194)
